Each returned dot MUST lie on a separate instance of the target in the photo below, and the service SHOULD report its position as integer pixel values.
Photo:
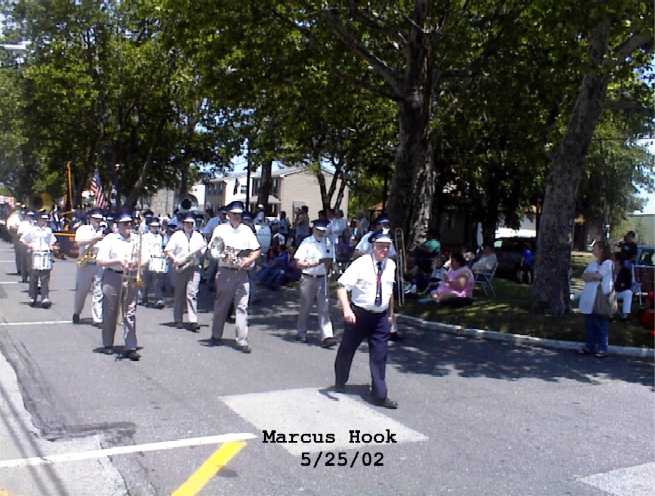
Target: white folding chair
(486, 281)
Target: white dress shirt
(24, 226)
(180, 245)
(84, 235)
(312, 250)
(39, 238)
(241, 238)
(360, 278)
(13, 221)
(154, 244)
(588, 296)
(364, 245)
(114, 246)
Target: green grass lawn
(510, 311)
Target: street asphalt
(475, 417)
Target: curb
(522, 339)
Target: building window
(243, 189)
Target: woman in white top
(597, 272)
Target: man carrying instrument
(313, 258)
(185, 249)
(122, 259)
(153, 243)
(39, 242)
(236, 248)
(24, 227)
(88, 273)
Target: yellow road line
(209, 469)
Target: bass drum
(263, 233)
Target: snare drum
(41, 260)
(158, 265)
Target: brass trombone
(399, 241)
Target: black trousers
(374, 327)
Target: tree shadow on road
(429, 352)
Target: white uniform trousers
(88, 277)
(186, 293)
(111, 290)
(626, 298)
(232, 286)
(313, 289)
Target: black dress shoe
(179, 325)
(340, 388)
(245, 349)
(386, 403)
(106, 350)
(194, 327)
(133, 355)
(46, 304)
(215, 342)
(33, 303)
(328, 342)
(76, 318)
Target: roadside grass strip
(124, 450)
(209, 469)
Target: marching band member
(119, 255)
(13, 221)
(313, 257)
(40, 241)
(154, 248)
(232, 284)
(185, 249)
(365, 247)
(370, 280)
(25, 260)
(88, 273)
(207, 231)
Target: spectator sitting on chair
(457, 287)
(629, 249)
(487, 262)
(622, 285)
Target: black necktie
(378, 287)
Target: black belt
(114, 270)
(312, 276)
(368, 311)
(228, 268)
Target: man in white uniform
(241, 249)
(88, 238)
(154, 248)
(368, 316)
(313, 257)
(25, 259)
(39, 241)
(119, 256)
(185, 249)
(13, 221)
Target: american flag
(96, 189)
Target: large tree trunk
(412, 187)
(265, 184)
(553, 262)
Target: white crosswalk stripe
(630, 481)
(308, 411)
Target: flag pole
(70, 184)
